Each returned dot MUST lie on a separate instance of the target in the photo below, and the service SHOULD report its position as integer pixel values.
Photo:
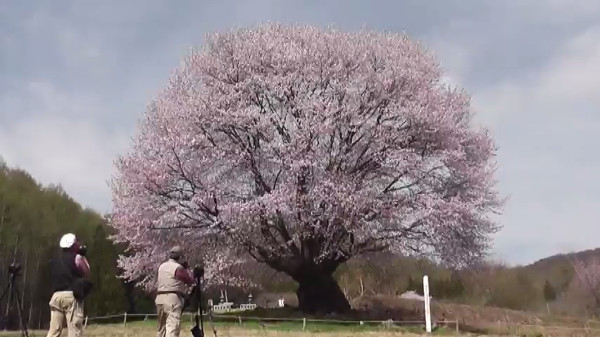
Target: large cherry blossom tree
(302, 147)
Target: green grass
(297, 326)
(250, 328)
(249, 319)
(259, 322)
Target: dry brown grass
(480, 318)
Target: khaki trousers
(169, 308)
(65, 309)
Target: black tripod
(14, 297)
(198, 329)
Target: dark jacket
(64, 271)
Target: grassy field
(479, 321)
(250, 329)
(283, 323)
(294, 329)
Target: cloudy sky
(76, 75)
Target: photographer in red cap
(70, 272)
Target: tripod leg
(19, 304)
(212, 323)
(4, 292)
(4, 319)
(199, 304)
(8, 301)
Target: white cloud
(61, 38)
(454, 61)
(57, 138)
(574, 75)
(561, 10)
(566, 86)
(546, 124)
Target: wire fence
(126, 318)
(512, 329)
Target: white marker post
(427, 307)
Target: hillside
(550, 263)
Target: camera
(14, 268)
(198, 271)
(82, 250)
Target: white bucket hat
(67, 240)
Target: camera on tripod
(199, 271)
(82, 250)
(15, 300)
(14, 269)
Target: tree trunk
(10, 288)
(319, 293)
(36, 285)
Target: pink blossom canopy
(291, 144)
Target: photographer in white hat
(70, 271)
